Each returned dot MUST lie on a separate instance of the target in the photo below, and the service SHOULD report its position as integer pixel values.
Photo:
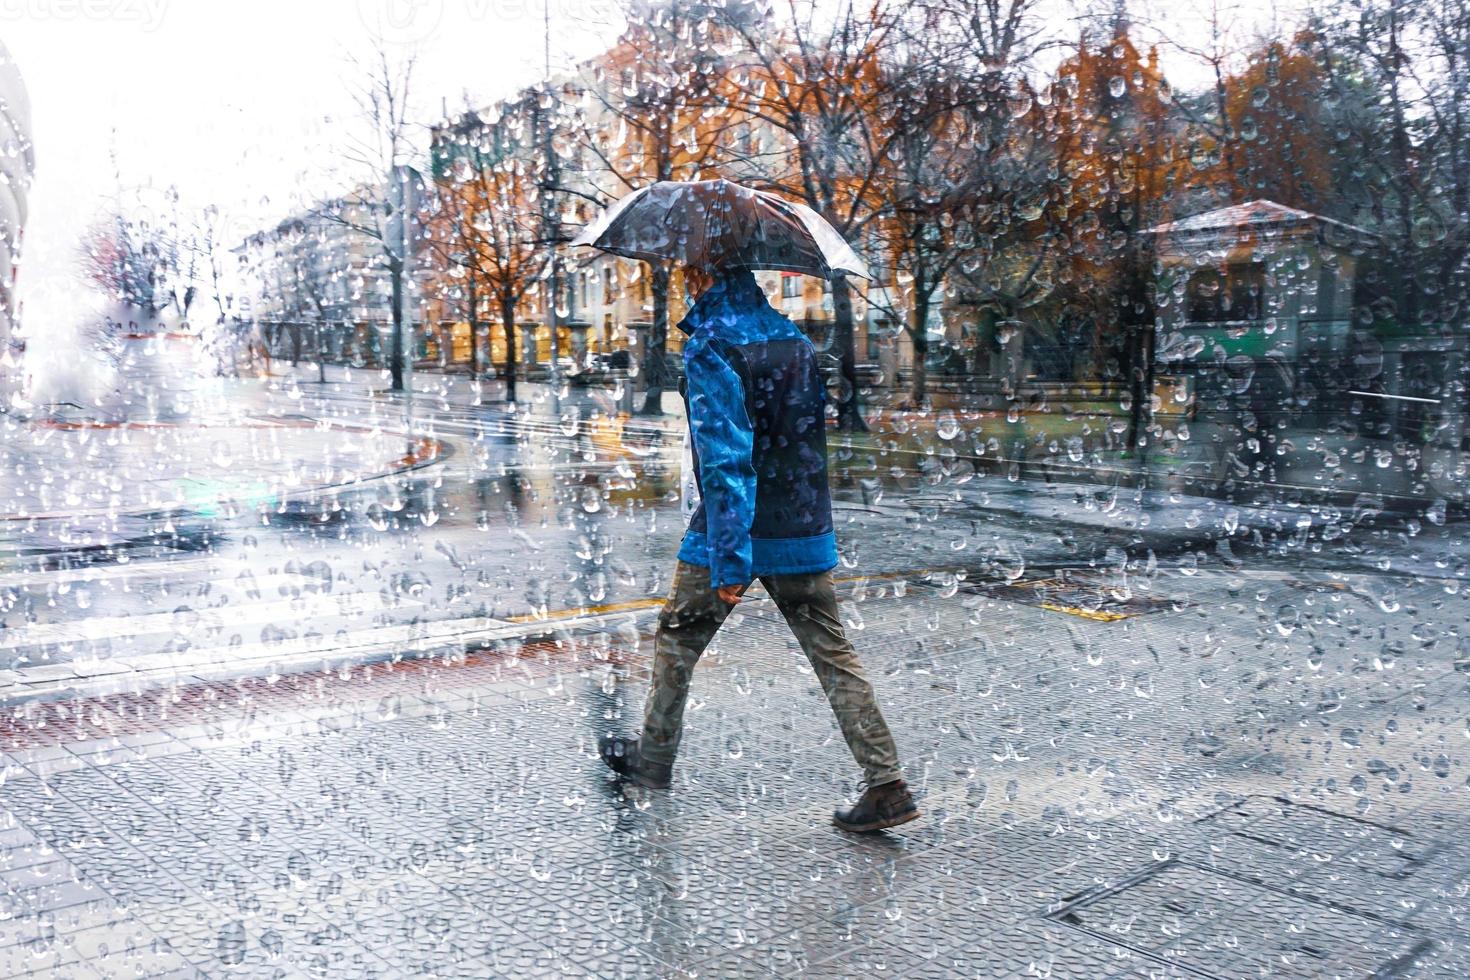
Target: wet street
(506, 517)
(350, 730)
(464, 517)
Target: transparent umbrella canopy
(717, 222)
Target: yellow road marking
(649, 603)
(611, 607)
(1096, 615)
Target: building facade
(1264, 327)
(320, 282)
(17, 167)
(587, 134)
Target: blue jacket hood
(734, 308)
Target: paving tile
(458, 838)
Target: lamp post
(548, 208)
(405, 192)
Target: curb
(430, 451)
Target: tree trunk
(295, 344)
(1405, 287)
(849, 415)
(472, 304)
(655, 365)
(919, 335)
(321, 354)
(1141, 312)
(984, 343)
(1140, 358)
(1150, 367)
(508, 321)
(395, 358)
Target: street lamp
(405, 192)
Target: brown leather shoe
(621, 755)
(879, 808)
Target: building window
(790, 285)
(1235, 295)
(609, 284)
(876, 332)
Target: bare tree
(209, 240)
(135, 262)
(1209, 114)
(381, 154)
(1400, 77)
(1444, 77)
(309, 267)
(965, 165)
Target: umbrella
(713, 223)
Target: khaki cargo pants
(691, 617)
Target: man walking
(754, 399)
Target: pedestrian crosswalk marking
(217, 618)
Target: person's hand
(730, 594)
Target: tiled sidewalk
(1216, 788)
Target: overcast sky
(236, 102)
(241, 103)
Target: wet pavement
(122, 469)
(352, 732)
(1190, 791)
(556, 511)
(499, 515)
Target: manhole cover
(1081, 594)
(1212, 924)
(1312, 833)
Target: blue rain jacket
(755, 402)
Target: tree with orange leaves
(1118, 166)
(488, 237)
(818, 86)
(654, 90)
(1269, 136)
